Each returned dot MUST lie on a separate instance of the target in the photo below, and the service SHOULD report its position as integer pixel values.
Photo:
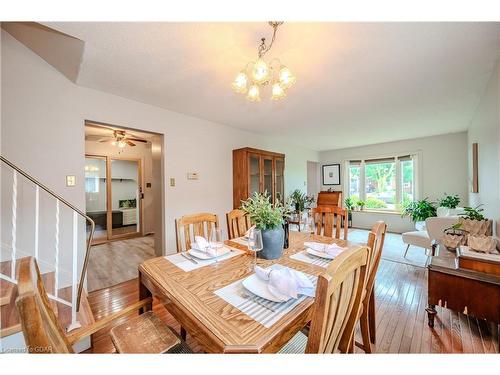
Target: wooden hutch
(257, 171)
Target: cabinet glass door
(125, 197)
(254, 167)
(280, 178)
(268, 177)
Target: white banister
(14, 225)
(56, 255)
(74, 282)
(37, 218)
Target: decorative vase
(272, 241)
(476, 227)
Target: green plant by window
(349, 203)
(473, 213)
(360, 203)
(449, 201)
(301, 200)
(262, 212)
(419, 210)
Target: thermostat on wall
(70, 180)
(192, 176)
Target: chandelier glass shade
(258, 74)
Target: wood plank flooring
(401, 298)
(115, 262)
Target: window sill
(379, 212)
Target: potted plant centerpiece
(269, 219)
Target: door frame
(109, 206)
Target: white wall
(43, 117)
(485, 130)
(442, 161)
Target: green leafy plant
(360, 204)
(449, 201)
(300, 200)
(473, 213)
(262, 212)
(419, 210)
(349, 204)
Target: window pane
(380, 185)
(354, 181)
(407, 183)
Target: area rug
(394, 248)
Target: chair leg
(183, 333)
(371, 317)
(406, 251)
(365, 331)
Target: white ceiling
(357, 83)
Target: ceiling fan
(120, 138)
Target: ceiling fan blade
(130, 143)
(137, 140)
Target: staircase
(37, 222)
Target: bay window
(382, 183)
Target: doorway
(124, 196)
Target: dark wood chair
(330, 220)
(43, 334)
(238, 223)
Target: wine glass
(255, 242)
(216, 243)
(309, 224)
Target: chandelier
(258, 74)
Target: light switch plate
(192, 176)
(172, 182)
(70, 180)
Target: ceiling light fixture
(258, 74)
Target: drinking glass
(255, 242)
(309, 224)
(216, 243)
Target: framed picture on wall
(331, 174)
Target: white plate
(257, 286)
(204, 256)
(321, 254)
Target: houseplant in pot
(349, 205)
(361, 204)
(269, 219)
(418, 211)
(448, 205)
(300, 200)
(473, 221)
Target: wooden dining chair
(338, 295)
(42, 333)
(366, 314)
(238, 223)
(189, 226)
(330, 220)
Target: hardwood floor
(115, 262)
(401, 298)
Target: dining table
(194, 299)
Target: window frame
(417, 180)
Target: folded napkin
(285, 283)
(201, 244)
(330, 249)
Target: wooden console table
(471, 292)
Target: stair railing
(77, 285)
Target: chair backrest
(330, 220)
(435, 226)
(376, 239)
(338, 295)
(189, 226)
(41, 330)
(238, 223)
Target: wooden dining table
(216, 325)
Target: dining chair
(145, 333)
(189, 226)
(338, 295)
(238, 223)
(366, 314)
(330, 220)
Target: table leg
(431, 313)
(144, 293)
